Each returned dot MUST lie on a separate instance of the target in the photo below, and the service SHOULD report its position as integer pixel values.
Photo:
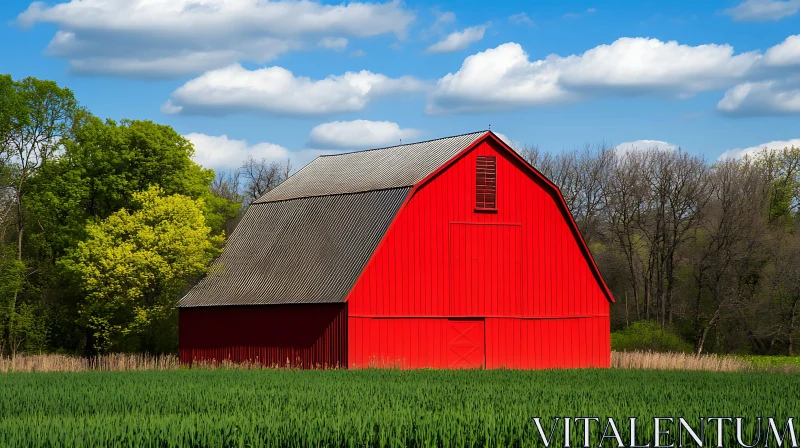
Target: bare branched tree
(262, 176)
(227, 185)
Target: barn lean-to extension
(448, 253)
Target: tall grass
(636, 360)
(678, 361)
(65, 363)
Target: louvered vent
(486, 184)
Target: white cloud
(333, 43)
(785, 54)
(358, 53)
(504, 77)
(763, 10)
(775, 87)
(512, 143)
(640, 64)
(443, 18)
(170, 108)
(520, 19)
(360, 134)
(497, 78)
(223, 153)
(762, 98)
(644, 145)
(277, 90)
(753, 150)
(153, 37)
(458, 40)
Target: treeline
(103, 224)
(708, 251)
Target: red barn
(447, 253)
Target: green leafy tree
(134, 265)
(12, 276)
(36, 116)
(782, 168)
(104, 165)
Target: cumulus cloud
(221, 153)
(498, 78)
(360, 134)
(762, 98)
(763, 10)
(775, 87)
(785, 54)
(644, 145)
(156, 35)
(277, 90)
(506, 78)
(458, 40)
(333, 43)
(650, 65)
(778, 145)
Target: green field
(363, 408)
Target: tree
(261, 177)
(782, 169)
(135, 264)
(42, 117)
(35, 117)
(226, 191)
(730, 252)
(103, 165)
(12, 276)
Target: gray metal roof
(374, 169)
(305, 250)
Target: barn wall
(521, 343)
(524, 261)
(305, 335)
(548, 343)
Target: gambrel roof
(308, 240)
(305, 250)
(373, 169)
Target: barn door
(465, 343)
(485, 269)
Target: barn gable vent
(486, 183)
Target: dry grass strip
(678, 361)
(124, 362)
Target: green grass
(362, 408)
(774, 362)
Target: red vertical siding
(306, 336)
(521, 267)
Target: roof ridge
(404, 144)
(331, 194)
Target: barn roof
(330, 237)
(373, 169)
(328, 218)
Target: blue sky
(296, 79)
